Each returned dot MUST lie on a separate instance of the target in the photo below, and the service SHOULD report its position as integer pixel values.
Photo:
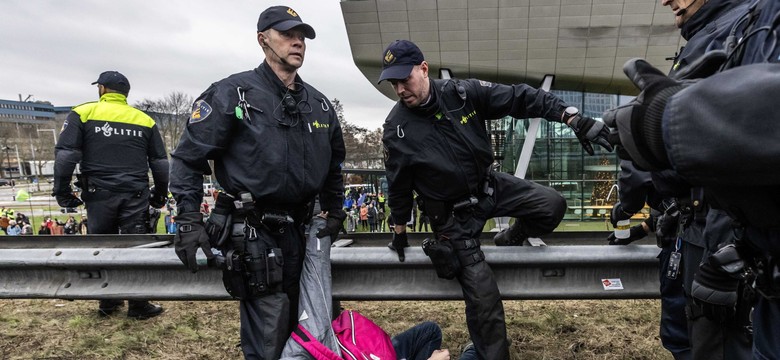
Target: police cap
(399, 59)
(283, 18)
(114, 80)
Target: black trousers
(710, 339)
(267, 321)
(117, 213)
(539, 210)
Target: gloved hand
(589, 130)
(68, 200)
(400, 242)
(618, 214)
(636, 126)
(637, 232)
(190, 236)
(220, 220)
(716, 282)
(63, 193)
(156, 200)
(333, 225)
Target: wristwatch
(569, 113)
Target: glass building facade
(589, 183)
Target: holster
(443, 257)
(253, 265)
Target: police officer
(708, 132)
(436, 144)
(115, 145)
(276, 143)
(705, 25)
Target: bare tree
(364, 147)
(44, 153)
(170, 113)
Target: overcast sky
(54, 49)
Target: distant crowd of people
(367, 212)
(16, 223)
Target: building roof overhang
(583, 43)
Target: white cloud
(55, 49)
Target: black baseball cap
(283, 18)
(398, 60)
(114, 80)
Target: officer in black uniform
(276, 143)
(705, 26)
(720, 133)
(116, 146)
(436, 144)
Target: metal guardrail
(368, 273)
(360, 239)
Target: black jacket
(722, 132)
(116, 145)
(705, 31)
(283, 160)
(442, 149)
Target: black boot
(511, 236)
(143, 310)
(108, 307)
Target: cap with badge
(114, 81)
(283, 18)
(399, 59)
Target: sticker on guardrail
(612, 284)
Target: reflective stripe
(113, 107)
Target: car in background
(4, 182)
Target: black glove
(333, 225)
(218, 226)
(637, 232)
(716, 282)
(156, 200)
(68, 200)
(618, 214)
(63, 193)
(590, 131)
(190, 236)
(400, 241)
(636, 126)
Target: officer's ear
(261, 39)
(424, 68)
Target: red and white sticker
(612, 284)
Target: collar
(431, 106)
(114, 98)
(708, 13)
(265, 71)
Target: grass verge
(582, 329)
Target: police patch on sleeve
(485, 83)
(200, 111)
